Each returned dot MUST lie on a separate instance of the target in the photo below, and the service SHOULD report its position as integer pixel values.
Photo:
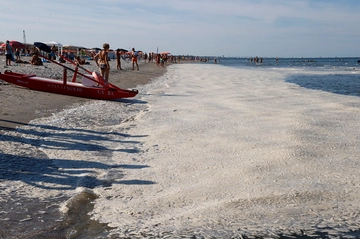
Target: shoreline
(281, 149)
(20, 105)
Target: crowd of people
(11, 57)
(80, 57)
(257, 60)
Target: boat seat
(88, 82)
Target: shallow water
(278, 147)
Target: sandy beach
(203, 151)
(20, 105)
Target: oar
(46, 48)
(72, 62)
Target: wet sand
(41, 218)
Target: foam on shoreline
(204, 150)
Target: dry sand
(20, 105)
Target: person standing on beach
(52, 53)
(118, 62)
(134, 58)
(157, 59)
(102, 61)
(17, 54)
(8, 53)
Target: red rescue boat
(86, 89)
(92, 86)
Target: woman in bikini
(102, 61)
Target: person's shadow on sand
(60, 174)
(36, 169)
(76, 139)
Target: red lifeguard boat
(87, 89)
(92, 86)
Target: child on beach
(17, 54)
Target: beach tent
(59, 45)
(72, 48)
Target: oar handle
(72, 62)
(75, 71)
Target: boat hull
(66, 88)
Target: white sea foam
(209, 150)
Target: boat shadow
(344, 84)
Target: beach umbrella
(42, 46)
(96, 49)
(14, 44)
(122, 50)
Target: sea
(273, 62)
(94, 170)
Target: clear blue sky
(284, 28)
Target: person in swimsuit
(52, 53)
(134, 59)
(17, 54)
(102, 61)
(36, 60)
(79, 61)
(118, 62)
(8, 53)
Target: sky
(230, 28)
